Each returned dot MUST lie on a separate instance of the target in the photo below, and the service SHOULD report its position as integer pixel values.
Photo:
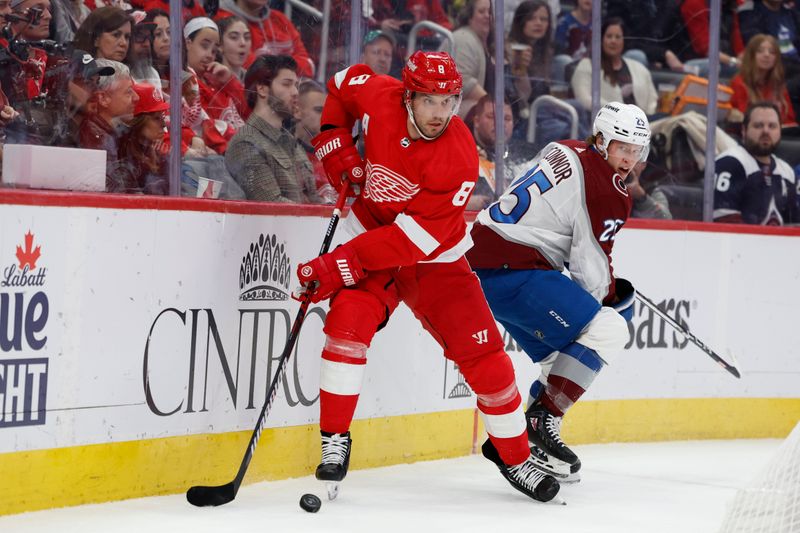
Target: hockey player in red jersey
(563, 214)
(419, 169)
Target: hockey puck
(310, 503)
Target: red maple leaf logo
(29, 256)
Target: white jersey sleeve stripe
(455, 253)
(341, 378)
(417, 234)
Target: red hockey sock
(560, 394)
(340, 385)
(505, 424)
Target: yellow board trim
(44, 479)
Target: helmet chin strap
(414, 120)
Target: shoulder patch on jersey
(339, 77)
(785, 170)
(385, 185)
(748, 162)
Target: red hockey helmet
(431, 72)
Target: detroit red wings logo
(386, 185)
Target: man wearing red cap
(409, 242)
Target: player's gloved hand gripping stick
(202, 496)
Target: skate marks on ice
(657, 487)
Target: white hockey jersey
(564, 211)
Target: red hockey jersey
(412, 202)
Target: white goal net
(771, 504)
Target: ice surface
(655, 487)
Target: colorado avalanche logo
(385, 185)
(619, 184)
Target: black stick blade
(211, 496)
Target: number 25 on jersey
(522, 192)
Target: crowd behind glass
(88, 74)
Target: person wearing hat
(77, 81)
(378, 51)
(142, 166)
(111, 104)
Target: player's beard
(756, 148)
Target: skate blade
(333, 489)
(558, 500)
(571, 479)
(559, 471)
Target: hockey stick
(202, 496)
(686, 333)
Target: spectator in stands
(82, 83)
(111, 103)
(142, 164)
(236, 44)
(529, 52)
(650, 30)
(378, 51)
(221, 93)
(106, 34)
(574, 31)
(761, 78)
(473, 39)
(264, 158)
(753, 186)
(482, 124)
(773, 18)
(161, 42)
(140, 56)
(310, 101)
(623, 79)
(695, 14)
(272, 32)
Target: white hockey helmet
(625, 123)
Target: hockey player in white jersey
(563, 213)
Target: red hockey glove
(337, 151)
(330, 272)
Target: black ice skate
(335, 460)
(544, 431)
(526, 477)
